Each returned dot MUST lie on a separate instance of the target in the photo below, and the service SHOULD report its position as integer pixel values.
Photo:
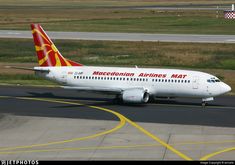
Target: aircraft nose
(226, 88)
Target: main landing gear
(204, 101)
(204, 104)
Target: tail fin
(48, 54)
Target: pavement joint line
(168, 139)
(122, 122)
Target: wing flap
(96, 89)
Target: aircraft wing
(95, 89)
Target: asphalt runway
(35, 121)
(124, 36)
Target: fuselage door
(63, 77)
(195, 82)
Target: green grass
(155, 24)
(217, 59)
(186, 55)
(107, 3)
(95, 16)
(25, 79)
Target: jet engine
(135, 96)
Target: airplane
(131, 85)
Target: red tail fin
(48, 54)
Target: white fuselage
(157, 82)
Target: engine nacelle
(135, 96)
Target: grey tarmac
(125, 36)
(49, 123)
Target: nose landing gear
(204, 100)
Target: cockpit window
(213, 80)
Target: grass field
(186, 55)
(217, 59)
(110, 3)
(105, 16)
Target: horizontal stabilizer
(24, 68)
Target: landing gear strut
(204, 101)
(203, 104)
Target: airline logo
(48, 54)
(152, 75)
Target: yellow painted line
(82, 148)
(203, 142)
(152, 136)
(120, 125)
(122, 118)
(2, 97)
(159, 140)
(206, 157)
(113, 147)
